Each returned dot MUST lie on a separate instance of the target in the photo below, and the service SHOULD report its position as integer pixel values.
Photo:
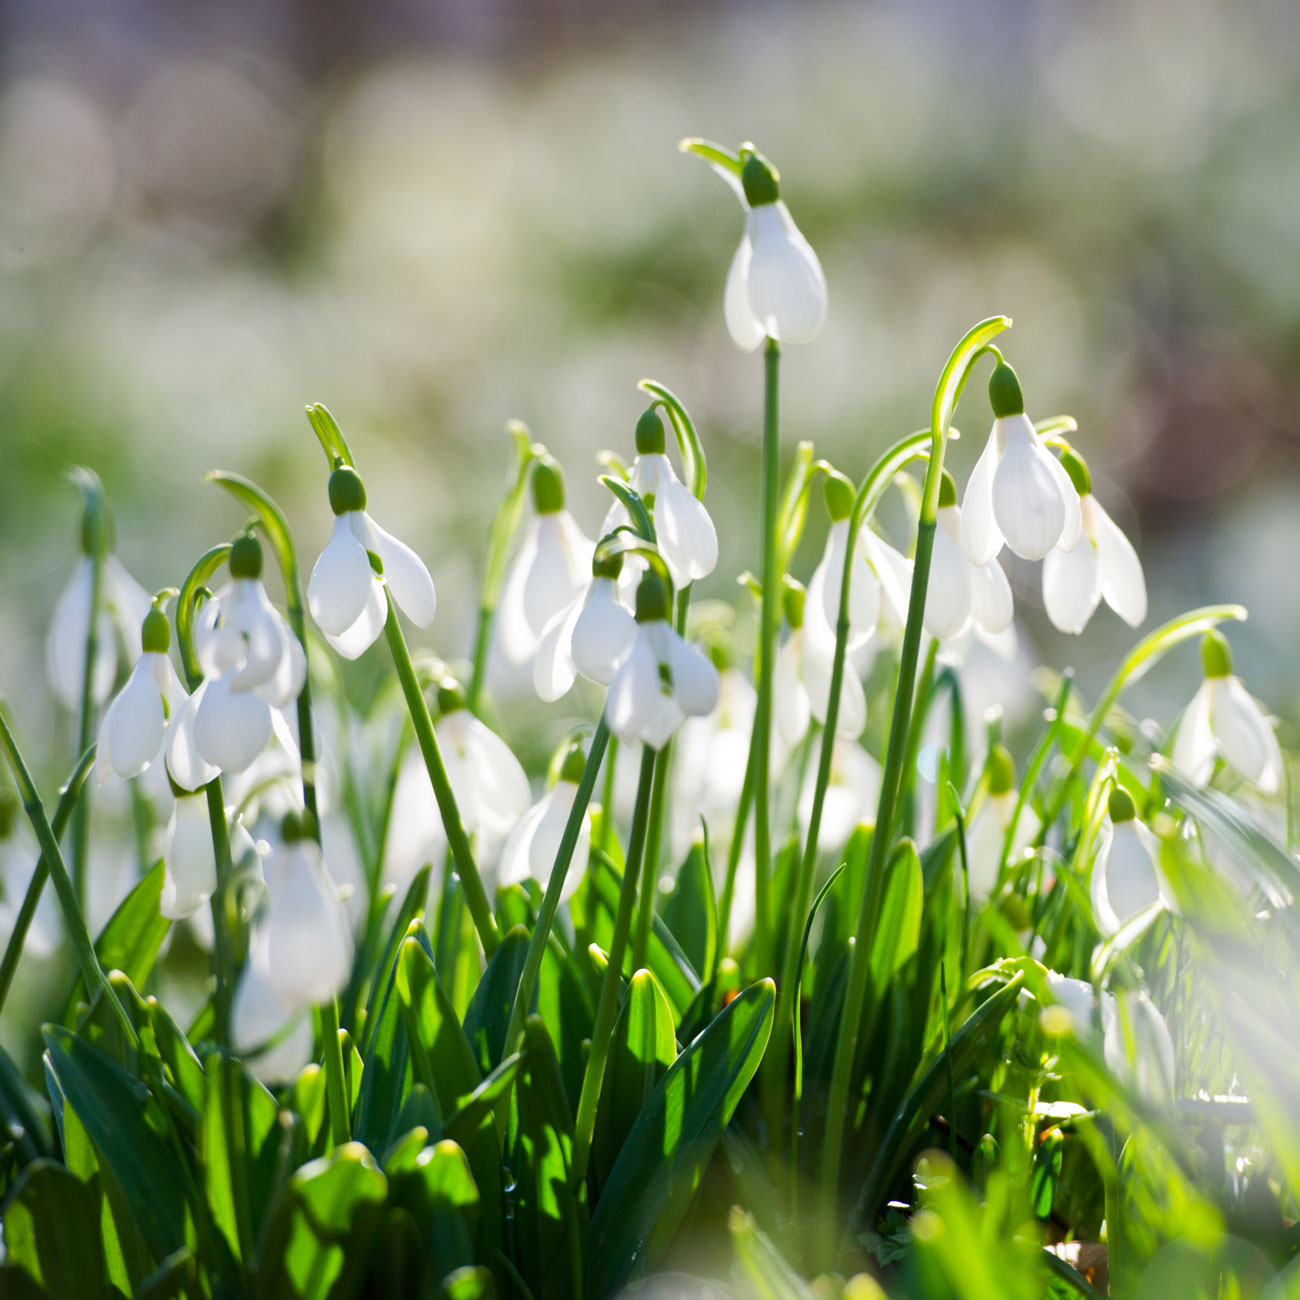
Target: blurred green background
(433, 217)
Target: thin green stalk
(555, 885)
(920, 710)
(73, 920)
(953, 379)
(607, 1008)
(23, 921)
(475, 895)
(336, 1097)
(605, 828)
(86, 717)
(768, 615)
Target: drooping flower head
(987, 832)
(534, 844)
(1018, 492)
(1102, 564)
(551, 569)
(1126, 876)
(345, 592)
(663, 679)
(962, 592)
(1224, 720)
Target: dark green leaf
(442, 1057)
(46, 1222)
(488, 1016)
(691, 910)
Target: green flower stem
(951, 382)
(23, 921)
(768, 616)
(475, 895)
(736, 846)
(605, 827)
(607, 1008)
(86, 717)
(555, 885)
(92, 972)
(920, 708)
(336, 1096)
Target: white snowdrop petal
(985, 837)
(286, 683)
(786, 285)
(1124, 876)
(791, 709)
(134, 729)
(514, 633)
(251, 616)
(745, 328)
(309, 945)
(1122, 581)
(1028, 504)
(695, 679)
(894, 571)
(549, 583)
(553, 669)
(340, 581)
(852, 715)
(634, 691)
(186, 765)
(1194, 748)
(407, 577)
(515, 864)
(189, 861)
(992, 606)
(603, 633)
(1076, 996)
(686, 532)
(981, 538)
(1072, 524)
(355, 640)
(65, 646)
(1071, 586)
(948, 598)
(664, 718)
(556, 805)
(127, 602)
(1244, 735)
(500, 781)
(231, 728)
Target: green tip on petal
(651, 598)
(451, 696)
(761, 181)
(839, 497)
(1005, 396)
(1216, 654)
(574, 764)
(792, 602)
(650, 433)
(1121, 806)
(155, 632)
(1002, 770)
(246, 557)
(947, 491)
(606, 566)
(1077, 468)
(347, 491)
(548, 486)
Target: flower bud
(245, 557)
(760, 180)
(295, 826)
(1002, 770)
(1005, 396)
(347, 491)
(947, 490)
(792, 602)
(1121, 806)
(1077, 468)
(839, 497)
(1216, 654)
(606, 566)
(650, 433)
(651, 598)
(574, 764)
(155, 632)
(548, 486)
(451, 696)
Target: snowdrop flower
(662, 679)
(987, 831)
(851, 795)
(775, 287)
(879, 573)
(590, 635)
(802, 680)
(19, 854)
(274, 1039)
(687, 538)
(1103, 564)
(189, 860)
(345, 593)
(131, 735)
(1018, 492)
(1125, 876)
(123, 605)
(550, 571)
(1137, 1045)
(534, 844)
(961, 593)
(309, 944)
(1078, 999)
(1224, 720)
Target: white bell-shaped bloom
(19, 855)
(986, 833)
(961, 592)
(344, 593)
(801, 682)
(1103, 564)
(1018, 492)
(534, 844)
(1126, 876)
(189, 859)
(1079, 999)
(775, 286)
(309, 944)
(852, 795)
(274, 1039)
(662, 680)
(1138, 1046)
(231, 728)
(549, 573)
(123, 605)
(135, 725)
(589, 636)
(1224, 720)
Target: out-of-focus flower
(534, 844)
(189, 860)
(776, 287)
(344, 593)
(802, 680)
(550, 571)
(1018, 491)
(1223, 719)
(19, 855)
(274, 1039)
(961, 592)
(1137, 1045)
(1103, 564)
(662, 680)
(987, 832)
(1125, 875)
(851, 795)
